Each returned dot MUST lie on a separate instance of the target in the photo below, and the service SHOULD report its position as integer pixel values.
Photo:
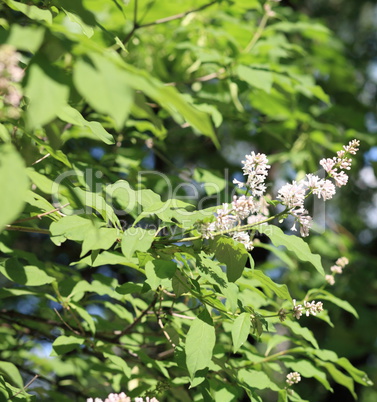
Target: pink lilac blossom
(335, 167)
(293, 195)
(10, 73)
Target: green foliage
(128, 123)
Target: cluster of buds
(10, 75)
(293, 378)
(309, 308)
(293, 195)
(122, 397)
(336, 269)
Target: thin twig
(161, 324)
(26, 229)
(25, 387)
(138, 319)
(136, 26)
(183, 316)
(40, 215)
(65, 323)
(258, 32)
(40, 160)
(177, 16)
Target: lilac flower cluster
(255, 167)
(228, 217)
(122, 397)
(310, 308)
(335, 167)
(336, 269)
(254, 208)
(10, 74)
(293, 195)
(293, 378)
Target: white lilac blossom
(330, 279)
(244, 238)
(293, 197)
(297, 309)
(293, 378)
(255, 167)
(243, 206)
(336, 269)
(122, 397)
(322, 188)
(310, 308)
(342, 261)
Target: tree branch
(136, 26)
(39, 216)
(177, 16)
(26, 229)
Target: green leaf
(233, 255)
(292, 243)
(136, 239)
(213, 183)
(200, 342)
(73, 116)
(296, 328)
(99, 239)
(307, 369)
(41, 181)
(240, 330)
(10, 371)
(65, 344)
(158, 270)
(324, 295)
(119, 362)
(257, 78)
(28, 275)
(282, 396)
(85, 316)
(33, 12)
(128, 288)
(180, 283)
(104, 86)
(28, 38)
(72, 227)
(87, 30)
(256, 379)
(280, 290)
(359, 376)
(341, 378)
(46, 91)
(12, 170)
